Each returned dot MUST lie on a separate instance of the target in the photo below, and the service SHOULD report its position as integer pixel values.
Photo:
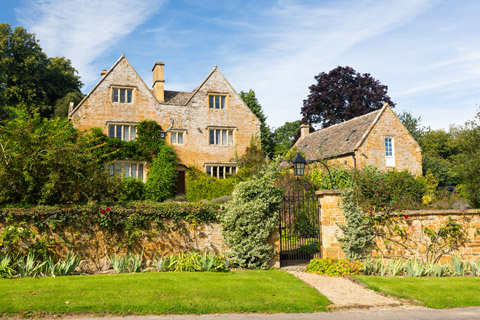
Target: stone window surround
(184, 133)
(119, 86)
(212, 95)
(219, 128)
(114, 123)
(219, 169)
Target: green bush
(375, 190)
(47, 161)
(251, 217)
(332, 267)
(131, 189)
(162, 175)
(201, 186)
(341, 178)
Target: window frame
(221, 170)
(128, 91)
(117, 168)
(217, 100)
(389, 151)
(218, 136)
(119, 130)
(175, 133)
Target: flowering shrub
(333, 267)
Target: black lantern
(299, 165)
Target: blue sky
(427, 52)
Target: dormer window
(217, 101)
(122, 95)
(350, 135)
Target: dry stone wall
(413, 222)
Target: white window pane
(134, 170)
(217, 141)
(217, 102)
(223, 102)
(129, 95)
(133, 132)
(212, 136)
(119, 132)
(111, 131)
(180, 138)
(234, 170)
(140, 172)
(126, 170)
(209, 170)
(224, 137)
(210, 102)
(173, 137)
(230, 137)
(126, 133)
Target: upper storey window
(122, 95)
(123, 132)
(217, 101)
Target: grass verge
(268, 291)
(433, 292)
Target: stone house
(207, 127)
(375, 139)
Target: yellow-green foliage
(201, 186)
(431, 183)
(333, 267)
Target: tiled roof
(177, 98)
(332, 141)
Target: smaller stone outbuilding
(375, 139)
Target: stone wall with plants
(427, 235)
(97, 233)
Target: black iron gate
(300, 238)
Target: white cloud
(310, 39)
(83, 30)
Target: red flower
(406, 216)
(108, 209)
(102, 211)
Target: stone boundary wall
(95, 245)
(416, 220)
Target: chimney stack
(304, 130)
(104, 72)
(158, 81)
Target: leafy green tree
(60, 109)
(467, 161)
(29, 80)
(283, 137)
(266, 136)
(252, 161)
(412, 124)
(47, 161)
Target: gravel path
(344, 293)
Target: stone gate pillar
(330, 215)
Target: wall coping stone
(329, 192)
(441, 212)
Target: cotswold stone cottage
(206, 127)
(375, 139)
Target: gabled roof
(332, 141)
(177, 98)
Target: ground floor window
(135, 169)
(220, 171)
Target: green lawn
(161, 293)
(439, 293)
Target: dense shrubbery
(46, 161)
(340, 178)
(131, 189)
(375, 190)
(192, 262)
(162, 175)
(201, 186)
(251, 217)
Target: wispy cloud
(84, 30)
(310, 39)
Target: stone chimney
(70, 107)
(304, 130)
(158, 81)
(104, 72)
